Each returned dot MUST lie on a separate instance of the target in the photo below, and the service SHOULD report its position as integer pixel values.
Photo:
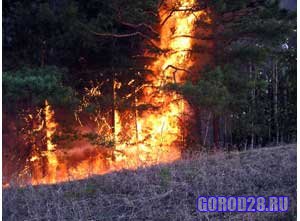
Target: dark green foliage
(209, 92)
(251, 80)
(63, 33)
(31, 87)
(240, 85)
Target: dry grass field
(164, 192)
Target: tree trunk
(225, 132)
(245, 144)
(206, 131)
(275, 101)
(216, 130)
(113, 108)
(198, 135)
(43, 53)
(285, 105)
(136, 119)
(253, 97)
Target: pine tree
(245, 37)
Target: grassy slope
(166, 192)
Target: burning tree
(148, 83)
(239, 46)
(144, 130)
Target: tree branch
(192, 10)
(176, 69)
(194, 37)
(111, 35)
(139, 26)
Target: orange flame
(156, 135)
(157, 131)
(50, 154)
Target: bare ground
(165, 192)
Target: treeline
(245, 96)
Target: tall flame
(157, 131)
(50, 154)
(156, 134)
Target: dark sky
(289, 4)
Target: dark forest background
(245, 98)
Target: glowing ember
(155, 135)
(158, 131)
(52, 161)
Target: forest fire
(156, 135)
(128, 109)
